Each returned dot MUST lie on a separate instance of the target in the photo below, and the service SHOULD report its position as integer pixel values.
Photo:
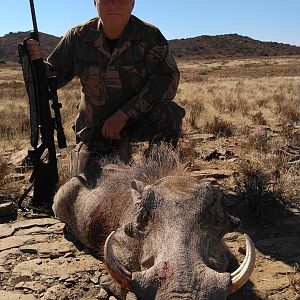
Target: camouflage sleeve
(60, 61)
(162, 78)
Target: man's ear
(133, 2)
(95, 2)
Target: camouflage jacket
(138, 73)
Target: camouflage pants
(162, 123)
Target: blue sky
(265, 20)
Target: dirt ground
(38, 260)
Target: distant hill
(9, 45)
(228, 45)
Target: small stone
(14, 178)
(86, 288)
(70, 280)
(69, 254)
(103, 295)
(50, 281)
(19, 158)
(63, 278)
(68, 284)
(131, 296)
(232, 160)
(215, 173)
(19, 285)
(95, 278)
(87, 279)
(2, 270)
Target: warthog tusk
(243, 273)
(116, 270)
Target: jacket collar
(130, 33)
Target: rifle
(41, 89)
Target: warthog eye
(212, 216)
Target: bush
(219, 127)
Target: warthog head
(167, 229)
(180, 224)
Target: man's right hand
(33, 49)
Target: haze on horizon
(264, 20)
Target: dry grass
(230, 98)
(294, 279)
(14, 123)
(219, 127)
(4, 170)
(259, 182)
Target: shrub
(219, 127)
(258, 118)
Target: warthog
(169, 229)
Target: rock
(14, 177)
(54, 292)
(218, 174)
(7, 254)
(10, 295)
(9, 229)
(70, 280)
(63, 278)
(7, 209)
(57, 267)
(31, 285)
(201, 136)
(112, 298)
(103, 295)
(2, 270)
(232, 160)
(46, 250)
(281, 268)
(95, 278)
(86, 288)
(56, 228)
(69, 254)
(213, 155)
(36, 222)
(19, 158)
(18, 241)
(23, 169)
(131, 296)
(68, 284)
(19, 285)
(6, 230)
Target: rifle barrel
(35, 28)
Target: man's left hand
(113, 125)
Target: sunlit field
(241, 131)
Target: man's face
(114, 13)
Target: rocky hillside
(228, 45)
(9, 45)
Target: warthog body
(170, 227)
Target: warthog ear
(137, 188)
(143, 198)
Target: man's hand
(33, 49)
(113, 125)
